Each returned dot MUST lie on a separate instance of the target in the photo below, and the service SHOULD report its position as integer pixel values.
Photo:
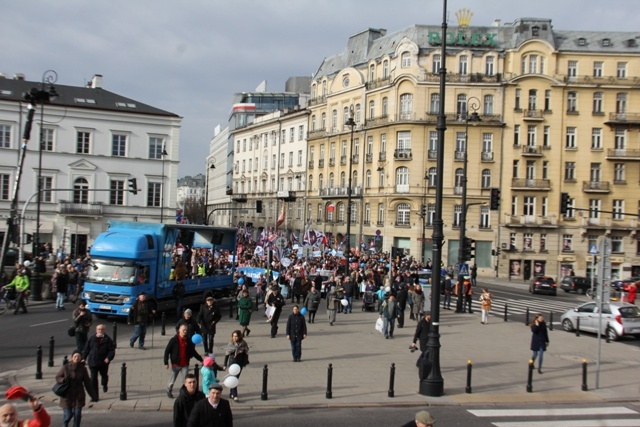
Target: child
(209, 372)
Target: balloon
(241, 281)
(234, 369)
(344, 302)
(303, 311)
(387, 289)
(196, 339)
(231, 382)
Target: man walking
(349, 290)
(333, 304)
(296, 332)
(189, 395)
(212, 411)
(401, 299)
(388, 312)
(140, 314)
(276, 301)
(98, 353)
(82, 320)
(422, 332)
(179, 351)
(21, 283)
(208, 318)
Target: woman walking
(485, 301)
(539, 339)
(245, 308)
(75, 372)
(237, 352)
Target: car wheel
(567, 325)
(566, 290)
(612, 334)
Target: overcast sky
(190, 56)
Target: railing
(377, 121)
(459, 155)
(599, 186)
(339, 192)
(318, 100)
(355, 159)
(368, 158)
(487, 156)
(402, 154)
(432, 155)
(383, 156)
(343, 160)
(624, 117)
(623, 153)
(81, 209)
(311, 164)
(533, 114)
(374, 84)
(531, 150)
(332, 161)
(531, 184)
(321, 163)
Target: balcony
(321, 163)
(318, 100)
(402, 154)
(630, 119)
(530, 184)
(355, 159)
(317, 133)
(623, 154)
(383, 156)
(343, 160)
(596, 186)
(531, 151)
(533, 115)
(80, 209)
(374, 84)
(368, 158)
(458, 156)
(457, 190)
(487, 156)
(339, 192)
(311, 164)
(377, 121)
(240, 198)
(332, 161)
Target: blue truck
(134, 257)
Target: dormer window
(535, 31)
(606, 42)
(582, 41)
(632, 43)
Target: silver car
(618, 319)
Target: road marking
(552, 412)
(49, 323)
(573, 423)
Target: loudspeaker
(216, 238)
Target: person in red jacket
(633, 290)
(9, 415)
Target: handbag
(380, 325)
(61, 389)
(71, 331)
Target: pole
(164, 153)
(351, 123)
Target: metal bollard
(530, 377)
(115, 334)
(265, 376)
(392, 377)
(551, 320)
(469, 369)
(578, 327)
(123, 382)
(163, 330)
(196, 372)
(526, 319)
(65, 360)
(39, 363)
(52, 343)
(584, 375)
(329, 394)
(505, 311)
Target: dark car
(622, 285)
(576, 284)
(543, 285)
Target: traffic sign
(593, 249)
(463, 269)
(281, 243)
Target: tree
(195, 210)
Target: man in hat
(9, 415)
(208, 318)
(277, 301)
(422, 419)
(140, 314)
(212, 411)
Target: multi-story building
(218, 186)
(94, 144)
(190, 187)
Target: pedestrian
(61, 280)
(75, 372)
(474, 275)
(401, 298)
(208, 317)
(178, 292)
(82, 319)
(422, 419)
(448, 288)
(296, 332)
(333, 305)
(212, 411)
(245, 308)
(188, 320)
(539, 339)
(418, 301)
(188, 396)
(236, 353)
(312, 302)
(141, 313)
(98, 354)
(468, 295)
(276, 301)
(179, 351)
(485, 302)
(388, 313)
(633, 291)
(9, 414)
(209, 372)
(21, 284)
(349, 290)
(422, 332)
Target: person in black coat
(275, 300)
(208, 318)
(539, 339)
(422, 332)
(296, 332)
(401, 299)
(98, 354)
(212, 411)
(189, 395)
(179, 349)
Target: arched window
(80, 190)
(340, 212)
(354, 212)
(434, 105)
(403, 214)
(323, 123)
(331, 180)
(367, 182)
(432, 177)
(385, 69)
(310, 181)
(385, 107)
(372, 72)
(486, 178)
(488, 105)
(343, 183)
(406, 106)
(354, 181)
(402, 179)
(320, 182)
(372, 109)
(319, 212)
(330, 215)
(461, 106)
(459, 177)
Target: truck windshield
(111, 272)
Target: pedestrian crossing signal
(133, 185)
(495, 199)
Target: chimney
(18, 76)
(96, 81)
(496, 22)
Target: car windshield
(111, 272)
(629, 312)
(544, 279)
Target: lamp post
(211, 166)
(473, 104)
(424, 212)
(163, 154)
(351, 123)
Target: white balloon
(231, 382)
(387, 289)
(234, 369)
(344, 302)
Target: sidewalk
(362, 358)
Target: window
(5, 191)
(372, 72)
(596, 139)
(531, 169)
(594, 208)
(83, 141)
(617, 244)
(343, 148)
(367, 180)
(118, 145)
(341, 215)
(489, 66)
(47, 184)
(570, 141)
(436, 63)
(367, 214)
(334, 119)
(463, 65)
(543, 242)
(300, 133)
(370, 146)
(533, 64)
(485, 217)
(486, 178)
(621, 70)
(404, 144)
(47, 139)
(358, 113)
(291, 159)
(431, 180)
(546, 137)
(597, 102)
(531, 135)
(488, 105)
(621, 103)
(434, 104)
(372, 109)
(567, 242)
(516, 167)
(380, 213)
(533, 99)
(323, 124)
(433, 144)
(385, 107)
(545, 169)
(313, 123)
(618, 209)
(572, 102)
(547, 100)
(299, 157)
(405, 59)
(457, 215)
(518, 95)
(403, 214)
(155, 147)
(402, 179)
(487, 146)
(597, 68)
(516, 135)
(529, 206)
(281, 163)
(527, 242)
(244, 145)
(385, 69)
(273, 161)
(5, 136)
(80, 190)
(461, 106)
(572, 70)
(618, 174)
(383, 143)
(459, 177)
(461, 143)
(116, 192)
(431, 214)
(406, 106)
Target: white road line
(49, 323)
(552, 412)
(573, 423)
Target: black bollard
(163, 330)
(329, 376)
(115, 334)
(506, 309)
(392, 377)
(551, 320)
(196, 372)
(230, 307)
(52, 343)
(530, 377)
(584, 375)
(526, 319)
(265, 376)
(39, 363)
(123, 382)
(65, 360)
(469, 369)
(577, 326)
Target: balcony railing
(355, 159)
(623, 154)
(368, 158)
(532, 114)
(624, 117)
(459, 156)
(530, 184)
(321, 163)
(81, 209)
(339, 192)
(596, 186)
(432, 155)
(383, 156)
(310, 164)
(343, 160)
(332, 161)
(487, 156)
(531, 150)
(402, 154)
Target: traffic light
(423, 211)
(495, 199)
(133, 185)
(258, 206)
(565, 200)
(469, 248)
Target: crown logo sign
(464, 17)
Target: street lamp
(473, 104)
(163, 154)
(211, 166)
(423, 214)
(351, 123)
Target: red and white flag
(281, 217)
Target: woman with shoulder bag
(75, 372)
(237, 352)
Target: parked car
(543, 285)
(618, 319)
(576, 284)
(622, 285)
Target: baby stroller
(368, 301)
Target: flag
(281, 217)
